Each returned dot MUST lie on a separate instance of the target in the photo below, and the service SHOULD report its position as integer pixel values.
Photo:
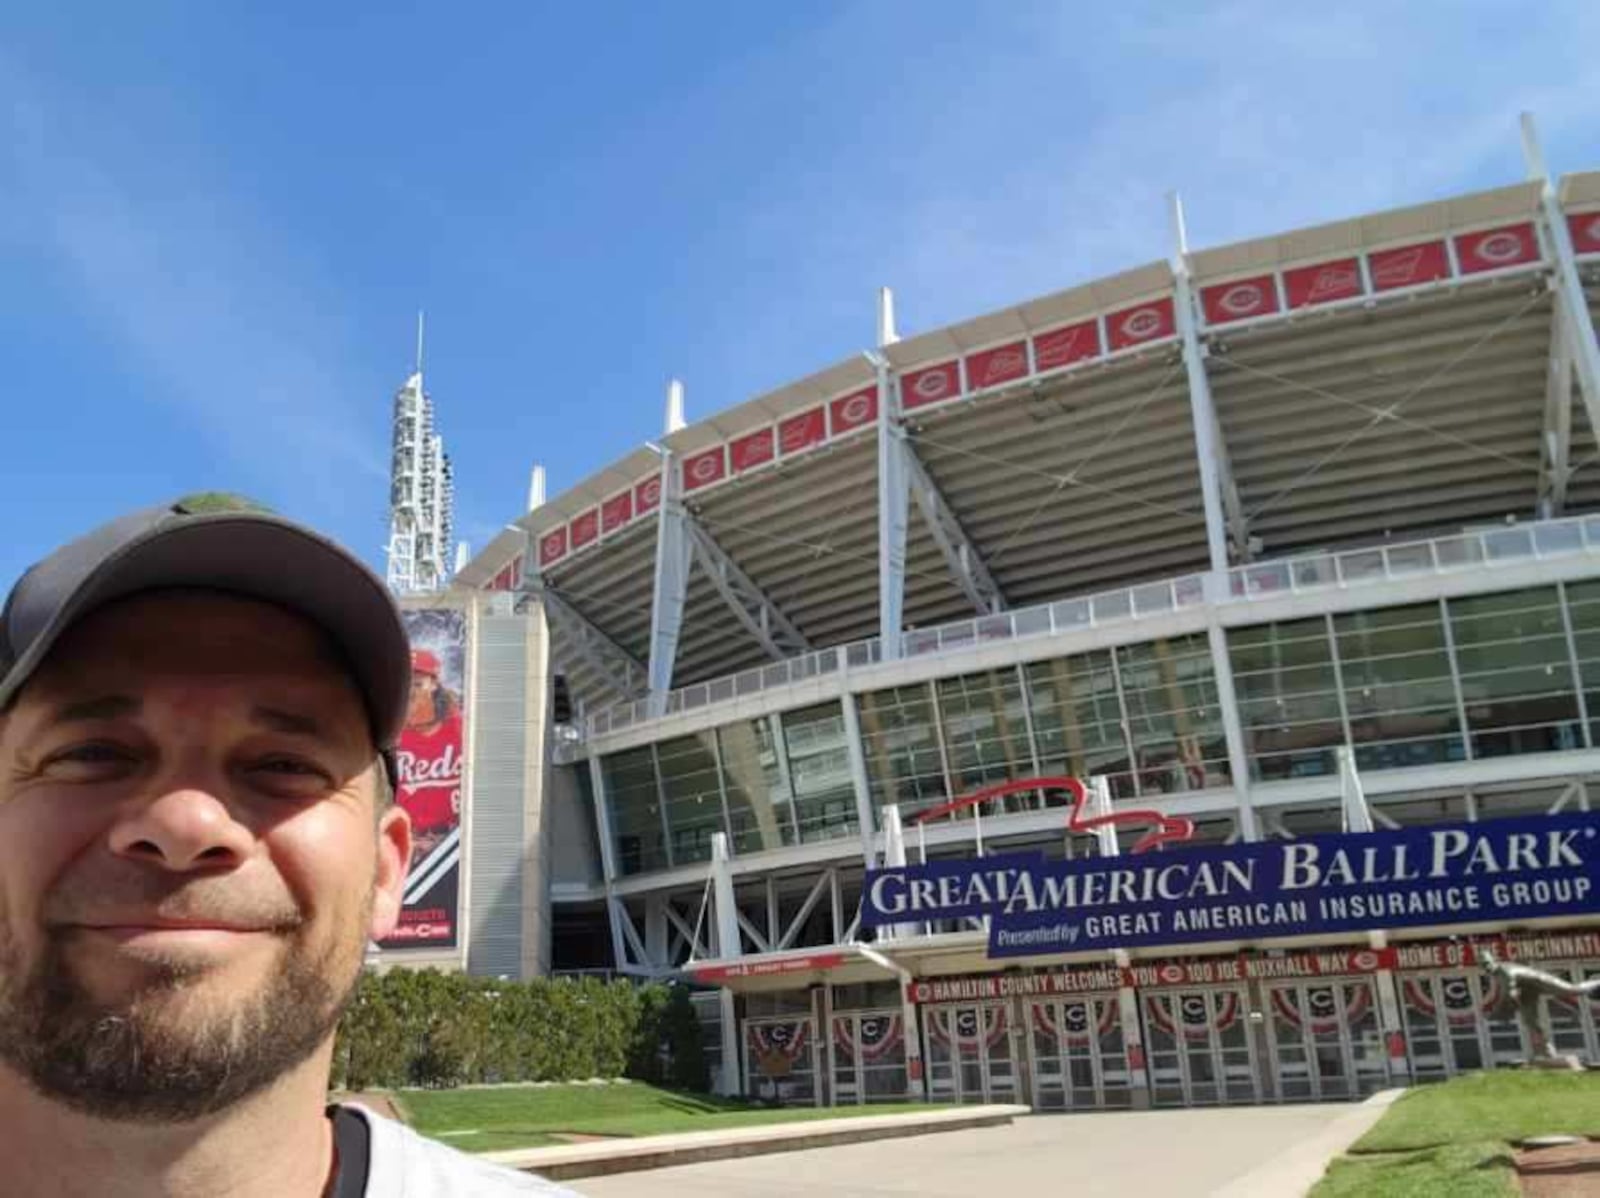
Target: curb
(658, 1152)
(1301, 1166)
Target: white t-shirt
(403, 1164)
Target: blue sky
(217, 221)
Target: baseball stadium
(1156, 693)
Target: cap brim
(261, 557)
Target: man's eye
(291, 771)
(94, 759)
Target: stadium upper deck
(1396, 376)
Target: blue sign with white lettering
(1501, 869)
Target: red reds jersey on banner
(429, 775)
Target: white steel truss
(1555, 446)
(759, 615)
(670, 592)
(620, 669)
(965, 563)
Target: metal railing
(1260, 580)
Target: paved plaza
(1175, 1153)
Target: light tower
(421, 492)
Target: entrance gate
(869, 1057)
(1200, 1049)
(1450, 1024)
(972, 1053)
(1326, 1042)
(1080, 1056)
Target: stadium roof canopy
(1383, 378)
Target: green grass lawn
(1455, 1138)
(504, 1117)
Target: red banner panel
(1493, 249)
(428, 760)
(585, 528)
(758, 969)
(704, 469)
(1408, 266)
(616, 511)
(991, 367)
(1063, 347)
(1307, 286)
(932, 384)
(853, 411)
(552, 546)
(647, 495)
(803, 431)
(1585, 230)
(1146, 322)
(751, 451)
(506, 580)
(1239, 300)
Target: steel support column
(671, 588)
(893, 513)
(960, 555)
(1578, 326)
(1224, 515)
(1555, 446)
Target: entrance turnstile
(1199, 1046)
(1326, 1042)
(972, 1052)
(1080, 1058)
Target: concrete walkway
(1240, 1152)
(602, 1157)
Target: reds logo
(706, 467)
(1592, 230)
(1365, 961)
(554, 545)
(1141, 324)
(1500, 248)
(932, 384)
(650, 493)
(856, 411)
(1171, 974)
(1242, 299)
(415, 772)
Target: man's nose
(185, 828)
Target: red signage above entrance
(761, 969)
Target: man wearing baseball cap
(197, 843)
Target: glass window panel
(1289, 706)
(819, 772)
(985, 728)
(754, 775)
(1077, 720)
(1399, 692)
(693, 793)
(635, 807)
(1174, 719)
(904, 766)
(1516, 675)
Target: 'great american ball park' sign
(1520, 868)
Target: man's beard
(154, 1057)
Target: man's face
(191, 858)
(420, 713)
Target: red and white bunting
(1409, 266)
(1062, 347)
(930, 385)
(1585, 230)
(799, 433)
(552, 546)
(1002, 364)
(647, 495)
(1496, 249)
(1322, 283)
(856, 410)
(1239, 300)
(704, 468)
(616, 511)
(755, 449)
(585, 528)
(1142, 323)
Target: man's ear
(394, 856)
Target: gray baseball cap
(225, 543)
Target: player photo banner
(429, 760)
